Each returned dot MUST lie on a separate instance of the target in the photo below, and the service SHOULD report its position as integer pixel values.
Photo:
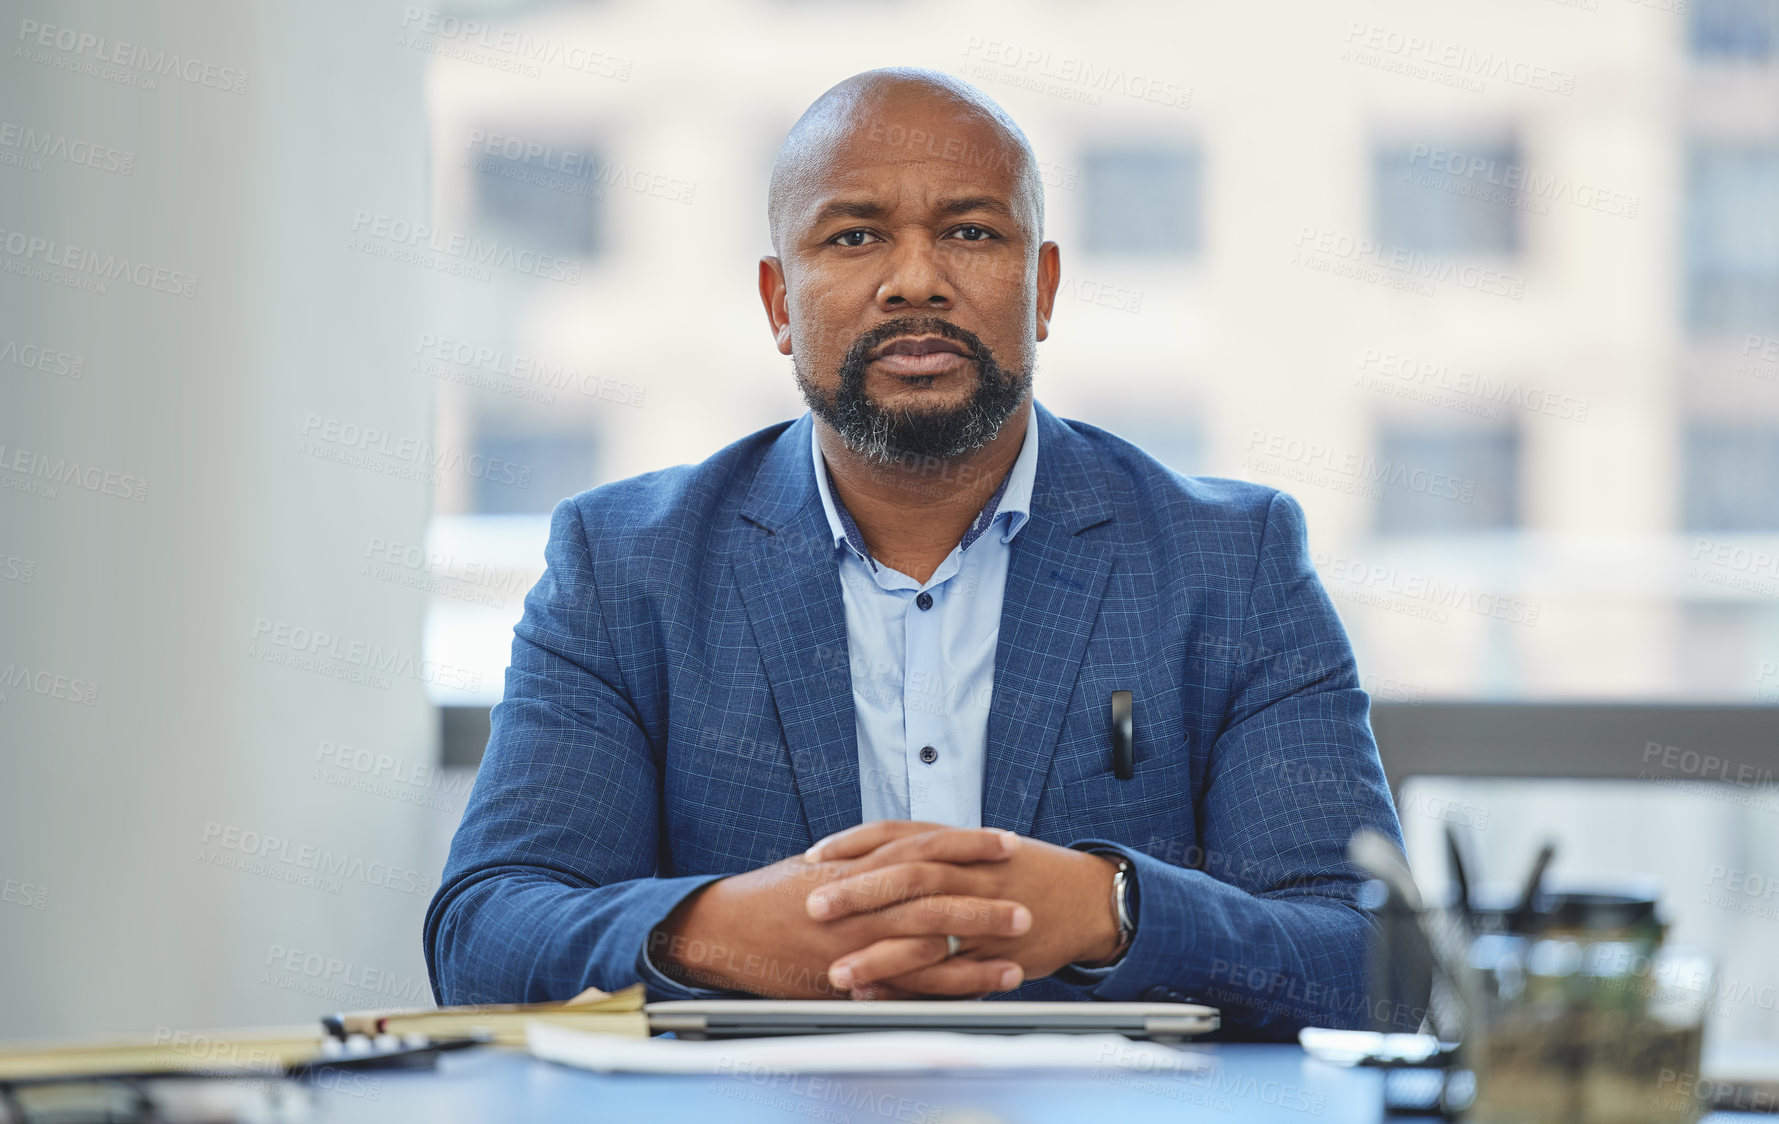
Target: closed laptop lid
(738, 1017)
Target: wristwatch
(1123, 904)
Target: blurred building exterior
(1495, 296)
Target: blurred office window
(1731, 478)
(1447, 481)
(1173, 439)
(1732, 239)
(1448, 197)
(1143, 201)
(547, 200)
(524, 470)
(1719, 641)
(1733, 30)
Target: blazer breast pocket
(1152, 811)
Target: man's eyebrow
(848, 209)
(969, 203)
(866, 209)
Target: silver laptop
(749, 1018)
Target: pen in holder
(1564, 1004)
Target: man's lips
(918, 356)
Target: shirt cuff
(660, 983)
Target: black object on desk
(1124, 751)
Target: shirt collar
(1013, 499)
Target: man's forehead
(908, 162)
(921, 132)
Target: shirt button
(925, 601)
(928, 754)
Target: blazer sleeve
(1262, 920)
(550, 887)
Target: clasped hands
(865, 914)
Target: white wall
(117, 912)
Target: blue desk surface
(1251, 1083)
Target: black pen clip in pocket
(1124, 750)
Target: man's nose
(917, 278)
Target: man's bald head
(870, 107)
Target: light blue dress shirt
(923, 678)
(923, 655)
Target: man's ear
(772, 295)
(1049, 275)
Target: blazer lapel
(790, 585)
(1055, 579)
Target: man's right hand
(752, 932)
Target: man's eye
(974, 233)
(844, 239)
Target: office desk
(1248, 1083)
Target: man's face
(912, 293)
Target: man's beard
(884, 436)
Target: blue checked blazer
(679, 708)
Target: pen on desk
(1460, 877)
(1124, 753)
(1522, 913)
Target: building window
(1729, 477)
(521, 472)
(1447, 197)
(1447, 481)
(1732, 240)
(552, 203)
(1144, 202)
(1733, 30)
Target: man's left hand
(1068, 892)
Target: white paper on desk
(890, 1051)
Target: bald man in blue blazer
(830, 713)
